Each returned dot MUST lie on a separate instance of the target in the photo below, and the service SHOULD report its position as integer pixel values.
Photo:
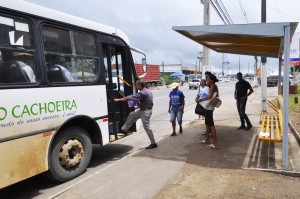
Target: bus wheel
(70, 154)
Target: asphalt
(146, 172)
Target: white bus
(57, 90)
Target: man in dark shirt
(241, 94)
(145, 99)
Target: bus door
(120, 82)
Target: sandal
(204, 142)
(212, 146)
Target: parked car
(194, 83)
(272, 80)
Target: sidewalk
(182, 167)
(260, 154)
(237, 169)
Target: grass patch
(293, 107)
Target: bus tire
(148, 85)
(70, 154)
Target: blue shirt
(144, 97)
(177, 99)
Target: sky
(148, 25)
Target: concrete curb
(282, 172)
(296, 134)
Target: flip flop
(212, 146)
(204, 142)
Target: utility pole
(263, 61)
(223, 62)
(206, 21)
(239, 63)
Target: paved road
(123, 169)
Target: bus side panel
(23, 158)
(103, 124)
(37, 109)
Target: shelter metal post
(264, 87)
(285, 107)
(206, 51)
(279, 76)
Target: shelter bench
(271, 125)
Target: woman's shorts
(209, 120)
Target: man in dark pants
(241, 95)
(145, 99)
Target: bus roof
(37, 10)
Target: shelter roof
(260, 39)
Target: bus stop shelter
(261, 39)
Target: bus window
(116, 68)
(70, 56)
(17, 61)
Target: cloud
(148, 24)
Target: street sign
(257, 72)
(200, 55)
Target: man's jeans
(241, 107)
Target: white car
(194, 83)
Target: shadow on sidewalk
(238, 149)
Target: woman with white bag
(209, 109)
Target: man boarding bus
(59, 75)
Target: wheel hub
(71, 153)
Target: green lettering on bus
(25, 111)
(51, 107)
(2, 109)
(58, 106)
(74, 104)
(67, 103)
(32, 109)
(13, 111)
(43, 108)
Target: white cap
(174, 85)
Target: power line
(243, 10)
(221, 11)
(277, 9)
(226, 11)
(218, 12)
(280, 11)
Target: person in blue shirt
(176, 107)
